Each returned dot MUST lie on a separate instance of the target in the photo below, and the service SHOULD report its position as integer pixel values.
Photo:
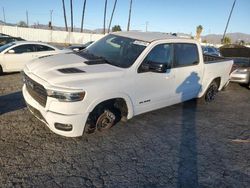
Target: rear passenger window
(41, 48)
(186, 55)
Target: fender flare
(125, 97)
(203, 91)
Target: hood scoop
(95, 62)
(70, 70)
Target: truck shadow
(187, 166)
(11, 102)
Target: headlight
(66, 97)
(242, 70)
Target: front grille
(36, 90)
(36, 113)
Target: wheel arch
(204, 89)
(125, 98)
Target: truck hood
(50, 69)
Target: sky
(161, 15)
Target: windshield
(116, 50)
(4, 47)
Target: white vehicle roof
(146, 36)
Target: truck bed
(213, 59)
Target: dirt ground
(185, 145)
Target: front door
(18, 56)
(153, 89)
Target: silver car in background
(210, 50)
(241, 71)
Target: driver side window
(27, 48)
(162, 53)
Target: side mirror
(154, 67)
(11, 52)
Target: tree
(104, 18)
(71, 12)
(83, 14)
(65, 17)
(111, 18)
(199, 29)
(22, 24)
(116, 28)
(242, 42)
(204, 41)
(227, 40)
(129, 15)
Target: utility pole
(65, 16)
(4, 16)
(228, 21)
(112, 16)
(27, 18)
(129, 16)
(104, 19)
(83, 13)
(71, 8)
(147, 26)
(51, 13)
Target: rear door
(188, 70)
(22, 54)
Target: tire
(102, 119)
(1, 70)
(210, 94)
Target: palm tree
(65, 17)
(112, 16)
(83, 13)
(199, 29)
(104, 19)
(129, 16)
(71, 10)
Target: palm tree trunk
(104, 20)
(65, 17)
(83, 13)
(129, 16)
(71, 10)
(112, 16)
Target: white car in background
(14, 55)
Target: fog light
(63, 127)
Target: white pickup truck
(121, 75)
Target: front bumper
(240, 77)
(77, 121)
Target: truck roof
(146, 36)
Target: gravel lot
(185, 145)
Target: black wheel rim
(211, 93)
(105, 121)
